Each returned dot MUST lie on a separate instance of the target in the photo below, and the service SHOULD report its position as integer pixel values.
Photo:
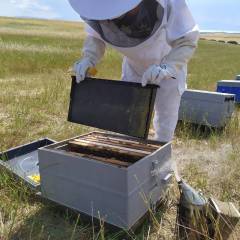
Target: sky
(217, 15)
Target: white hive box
(112, 176)
(119, 187)
(206, 108)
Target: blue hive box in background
(230, 86)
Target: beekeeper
(157, 39)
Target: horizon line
(80, 20)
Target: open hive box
(110, 176)
(113, 177)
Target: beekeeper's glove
(156, 73)
(182, 50)
(81, 67)
(93, 51)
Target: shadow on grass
(53, 221)
(197, 132)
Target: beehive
(113, 176)
(206, 108)
(231, 87)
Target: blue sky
(210, 14)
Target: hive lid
(208, 96)
(22, 162)
(117, 106)
(229, 83)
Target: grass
(34, 84)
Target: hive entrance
(111, 149)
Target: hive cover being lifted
(116, 106)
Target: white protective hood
(103, 9)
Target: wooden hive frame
(111, 149)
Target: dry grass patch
(222, 36)
(35, 86)
(14, 46)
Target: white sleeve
(94, 47)
(182, 34)
(180, 21)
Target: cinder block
(120, 196)
(230, 86)
(206, 108)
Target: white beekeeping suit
(157, 39)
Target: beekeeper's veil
(121, 23)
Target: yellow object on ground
(35, 178)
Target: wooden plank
(105, 152)
(105, 135)
(129, 143)
(133, 145)
(113, 147)
(119, 143)
(102, 159)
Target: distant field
(35, 57)
(222, 36)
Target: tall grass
(34, 95)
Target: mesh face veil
(132, 28)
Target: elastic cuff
(90, 60)
(170, 70)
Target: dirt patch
(203, 155)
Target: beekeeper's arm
(92, 52)
(182, 36)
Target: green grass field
(35, 57)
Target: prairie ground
(35, 56)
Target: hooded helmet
(103, 9)
(121, 23)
